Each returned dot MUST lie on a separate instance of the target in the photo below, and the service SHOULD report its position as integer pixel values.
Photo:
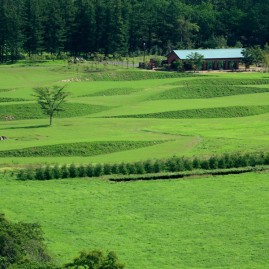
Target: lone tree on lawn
(50, 99)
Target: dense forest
(127, 27)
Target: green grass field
(215, 222)
(117, 115)
(194, 114)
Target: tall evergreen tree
(32, 26)
(54, 32)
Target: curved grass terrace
(33, 111)
(207, 91)
(79, 149)
(218, 112)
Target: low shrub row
(174, 164)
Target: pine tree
(32, 26)
(53, 28)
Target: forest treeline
(127, 27)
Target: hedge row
(174, 164)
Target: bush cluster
(173, 164)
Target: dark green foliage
(173, 165)
(48, 173)
(149, 166)
(205, 164)
(39, 174)
(131, 169)
(107, 169)
(57, 172)
(123, 169)
(213, 162)
(65, 172)
(128, 27)
(82, 171)
(187, 163)
(22, 175)
(218, 112)
(51, 99)
(115, 169)
(158, 166)
(196, 163)
(139, 168)
(98, 170)
(95, 260)
(73, 171)
(21, 245)
(90, 170)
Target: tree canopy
(84, 27)
(51, 99)
(22, 246)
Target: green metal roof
(211, 53)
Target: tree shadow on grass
(29, 127)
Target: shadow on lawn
(29, 127)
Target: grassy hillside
(192, 114)
(117, 115)
(215, 222)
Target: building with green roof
(214, 59)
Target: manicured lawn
(215, 222)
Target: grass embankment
(78, 149)
(218, 112)
(216, 222)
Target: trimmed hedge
(171, 165)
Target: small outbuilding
(214, 59)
